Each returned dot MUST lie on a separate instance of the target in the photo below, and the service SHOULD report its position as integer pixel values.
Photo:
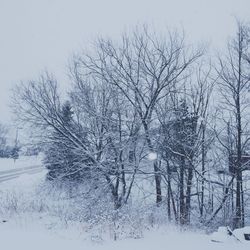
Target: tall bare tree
(112, 126)
(144, 67)
(233, 82)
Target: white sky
(42, 34)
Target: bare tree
(234, 79)
(144, 67)
(101, 133)
(113, 129)
(183, 121)
(38, 105)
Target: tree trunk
(188, 195)
(169, 192)
(157, 173)
(182, 196)
(202, 171)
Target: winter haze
(39, 35)
(125, 124)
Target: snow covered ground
(23, 229)
(25, 238)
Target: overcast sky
(43, 34)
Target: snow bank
(28, 239)
(239, 233)
(27, 222)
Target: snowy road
(14, 173)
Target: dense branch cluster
(142, 116)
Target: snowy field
(29, 230)
(28, 239)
